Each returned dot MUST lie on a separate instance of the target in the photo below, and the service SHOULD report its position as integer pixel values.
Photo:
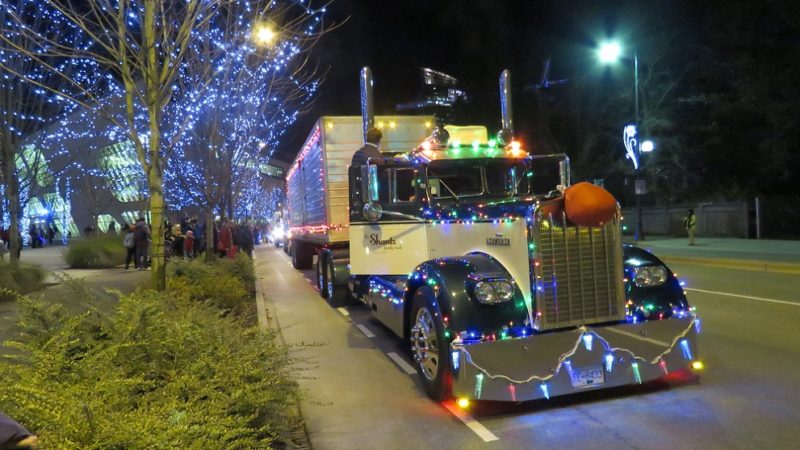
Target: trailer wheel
(429, 346)
(302, 256)
(337, 294)
(322, 274)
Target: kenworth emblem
(499, 240)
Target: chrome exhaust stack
(506, 134)
(367, 111)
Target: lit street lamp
(609, 53)
(263, 34)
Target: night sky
(472, 40)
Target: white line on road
(636, 336)
(343, 311)
(470, 422)
(365, 330)
(749, 297)
(402, 363)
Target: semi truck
(507, 282)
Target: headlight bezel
(650, 275)
(493, 291)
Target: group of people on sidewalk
(137, 242)
(187, 240)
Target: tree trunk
(158, 267)
(12, 191)
(210, 248)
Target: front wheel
(429, 347)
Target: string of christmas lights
(586, 337)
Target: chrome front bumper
(543, 365)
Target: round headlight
(648, 276)
(484, 292)
(504, 290)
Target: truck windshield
(457, 179)
(454, 179)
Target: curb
(740, 264)
(266, 323)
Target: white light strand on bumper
(565, 356)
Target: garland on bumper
(586, 337)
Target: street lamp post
(608, 53)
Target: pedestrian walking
(188, 244)
(141, 237)
(690, 224)
(130, 246)
(51, 234)
(225, 244)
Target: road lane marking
(343, 311)
(402, 363)
(641, 338)
(749, 297)
(365, 330)
(470, 422)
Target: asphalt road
(359, 396)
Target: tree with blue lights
(39, 85)
(257, 53)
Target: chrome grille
(577, 273)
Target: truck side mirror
(372, 183)
(372, 211)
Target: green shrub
(225, 283)
(163, 372)
(102, 251)
(21, 278)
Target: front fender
(448, 277)
(657, 302)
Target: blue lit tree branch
(38, 86)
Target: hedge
(105, 250)
(19, 279)
(166, 370)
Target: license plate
(587, 376)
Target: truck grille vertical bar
(583, 266)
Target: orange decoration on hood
(588, 205)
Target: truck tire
(322, 274)
(302, 256)
(337, 294)
(429, 348)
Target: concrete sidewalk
(766, 255)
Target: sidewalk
(765, 255)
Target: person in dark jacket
(370, 149)
(14, 435)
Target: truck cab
(507, 282)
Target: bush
(164, 371)
(226, 283)
(22, 278)
(100, 252)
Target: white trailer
(317, 181)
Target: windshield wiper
(452, 193)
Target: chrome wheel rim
(424, 344)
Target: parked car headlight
(494, 291)
(648, 276)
